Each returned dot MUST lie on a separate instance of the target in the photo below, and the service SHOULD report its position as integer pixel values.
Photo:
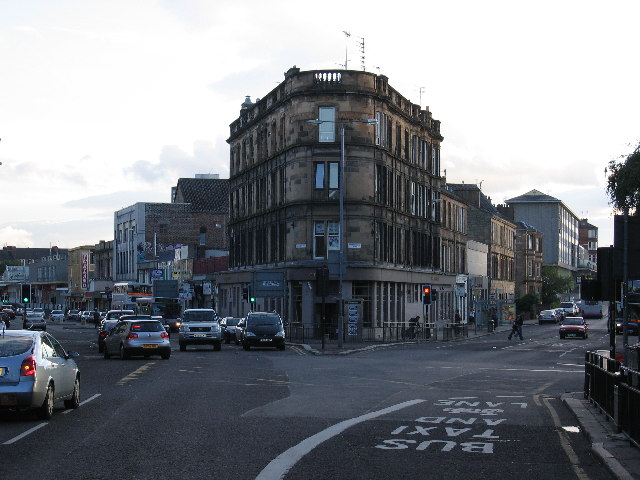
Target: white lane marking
(279, 466)
(69, 410)
(24, 434)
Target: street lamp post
(341, 255)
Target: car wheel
(100, 348)
(237, 342)
(107, 355)
(45, 412)
(183, 347)
(165, 356)
(74, 401)
(245, 346)
(227, 339)
(124, 355)
(217, 346)
(561, 337)
(281, 347)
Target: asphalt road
(481, 408)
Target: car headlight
(184, 329)
(250, 334)
(280, 334)
(215, 328)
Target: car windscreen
(147, 327)
(547, 312)
(198, 316)
(10, 346)
(566, 305)
(232, 321)
(264, 320)
(56, 312)
(573, 321)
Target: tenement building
(337, 170)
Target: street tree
(623, 182)
(554, 285)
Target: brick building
(196, 218)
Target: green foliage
(623, 182)
(527, 302)
(554, 284)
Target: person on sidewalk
(516, 328)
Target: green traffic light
(25, 300)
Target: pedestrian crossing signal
(426, 294)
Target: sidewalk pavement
(614, 449)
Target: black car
(105, 328)
(228, 326)
(262, 329)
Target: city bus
(125, 295)
(591, 309)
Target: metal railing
(615, 390)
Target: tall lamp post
(341, 257)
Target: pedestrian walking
(457, 317)
(516, 327)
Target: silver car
(200, 327)
(56, 316)
(35, 321)
(137, 335)
(36, 372)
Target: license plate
(199, 334)
(8, 400)
(2, 371)
(572, 334)
(150, 346)
(265, 339)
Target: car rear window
(566, 305)
(147, 327)
(10, 346)
(232, 321)
(198, 316)
(573, 321)
(264, 320)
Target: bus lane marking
(279, 466)
(465, 419)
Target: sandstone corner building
(286, 210)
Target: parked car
(574, 327)
(200, 327)
(73, 315)
(560, 313)
(105, 328)
(6, 319)
(137, 335)
(86, 316)
(228, 326)
(36, 372)
(263, 329)
(35, 321)
(570, 308)
(41, 311)
(10, 313)
(56, 316)
(548, 316)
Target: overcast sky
(107, 103)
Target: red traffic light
(426, 290)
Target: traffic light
(426, 294)
(245, 292)
(252, 297)
(26, 293)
